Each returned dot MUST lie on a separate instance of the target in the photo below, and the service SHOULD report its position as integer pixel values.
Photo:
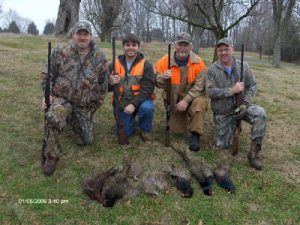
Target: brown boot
(146, 137)
(253, 156)
(50, 165)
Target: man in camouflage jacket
(222, 83)
(188, 100)
(78, 86)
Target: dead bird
(150, 185)
(222, 175)
(181, 178)
(199, 169)
(93, 187)
(135, 170)
(156, 183)
(118, 187)
(115, 188)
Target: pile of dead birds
(127, 181)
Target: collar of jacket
(74, 47)
(193, 58)
(138, 58)
(221, 67)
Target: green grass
(271, 196)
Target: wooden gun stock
(168, 108)
(122, 137)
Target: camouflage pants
(225, 125)
(58, 116)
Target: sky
(39, 11)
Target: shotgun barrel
(239, 98)
(122, 137)
(168, 107)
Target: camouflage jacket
(218, 84)
(83, 82)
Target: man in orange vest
(188, 101)
(137, 83)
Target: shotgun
(122, 137)
(47, 101)
(239, 98)
(168, 106)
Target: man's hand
(43, 106)
(237, 88)
(129, 109)
(181, 106)
(114, 79)
(241, 110)
(167, 75)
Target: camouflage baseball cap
(183, 37)
(225, 41)
(82, 26)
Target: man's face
(182, 50)
(82, 38)
(224, 53)
(131, 49)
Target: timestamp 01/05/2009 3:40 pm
(42, 201)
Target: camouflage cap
(82, 26)
(183, 37)
(225, 41)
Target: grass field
(271, 196)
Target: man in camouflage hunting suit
(222, 83)
(78, 85)
(188, 100)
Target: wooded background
(271, 27)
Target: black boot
(195, 142)
(253, 156)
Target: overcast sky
(39, 11)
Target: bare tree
(282, 11)
(1, 7)
(102, 14)
(215, 13)
(67, 16)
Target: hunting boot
(253, 156)
(194, 142)
(146, 137)
(50, 165)
(51, 150)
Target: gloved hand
(241, 110)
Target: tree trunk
(281, 17)
(196, 42)
(68, 15)
(277, 51)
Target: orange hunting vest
(136, 70)
(193, 69)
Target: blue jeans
(145, 117)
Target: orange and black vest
(130, 83)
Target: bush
(49, 28)
(13, 28)
(32, 29)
